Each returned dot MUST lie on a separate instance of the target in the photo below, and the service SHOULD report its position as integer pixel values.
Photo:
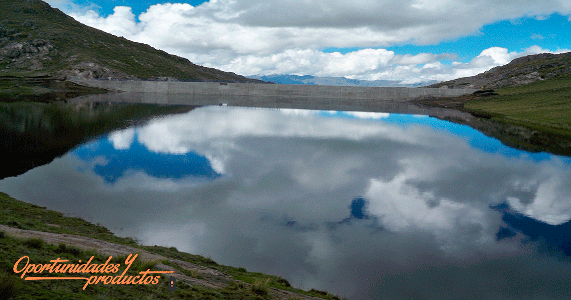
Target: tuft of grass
(35, 243)
(174, 253)
(142, 265)
(260, 289)
(190, 273)
(283, 282)
(8, 286)
(63, 248)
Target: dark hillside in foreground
(520, 71)
(36, 39)
(43, 235)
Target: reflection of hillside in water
(519, 137)
(366, 205)
(511, 135)
(40, 132)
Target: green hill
(520, 71)
(530, 106)
(532, 91)
(36, 39)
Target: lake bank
(41, 88)
(316, 196)
(533, 117)
(536, 123)
(44, 235)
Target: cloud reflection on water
(287, 202)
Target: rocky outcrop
(28, 55)
(18, 49)
(89, 70)
(520, 71)
(36, 39)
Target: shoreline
(39, 229)
(520, 134)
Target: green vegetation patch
(18, 214)
(543, 105)
(41, 89)
(39, 39)
(12, 286)
(27, 216)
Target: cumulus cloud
(421, 190)
(121, 22)
(287, 37)
(122, 139)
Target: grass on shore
(544, 105)
(18, 214)
(41, 89)
(13, 287)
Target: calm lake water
(363, 205)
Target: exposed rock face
(17, 49)
(520, 71)
(27, 55)
(89, 70)
(36, 39)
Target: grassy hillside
(41, 89)
(543, 105)
(219, 282)
(534, 116)
(520, 71)
(38, 39)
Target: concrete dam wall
(244, 90)
(318, 97)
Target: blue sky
(406, 40)
(135, 157)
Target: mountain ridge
(520, 71)
(335, 81)
(37, 39)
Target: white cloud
(286, 37)
(122, 139)
(421, 58)
(70, 6)
(282, 206)
(367, 115)
(121, 22)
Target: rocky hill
(36, 39)
(520, 71)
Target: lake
(363, 205)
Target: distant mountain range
(36, 39)
(313, 80)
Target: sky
(411, 41)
